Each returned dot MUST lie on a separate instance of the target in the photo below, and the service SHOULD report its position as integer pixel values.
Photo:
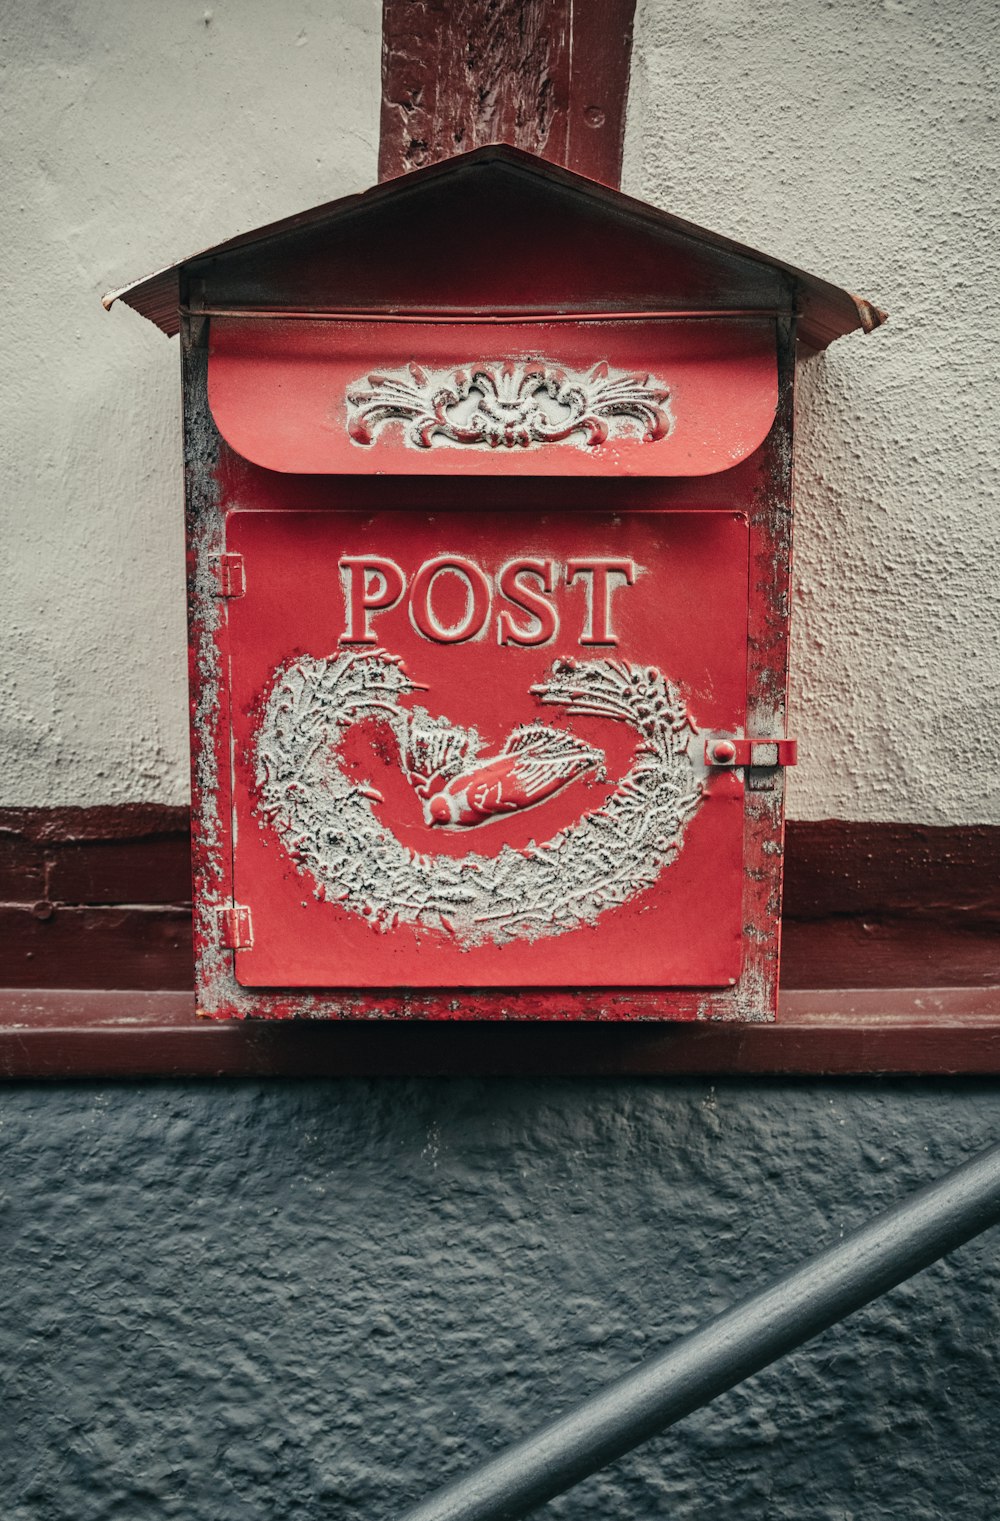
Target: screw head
(723, 752)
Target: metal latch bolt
(751, 752)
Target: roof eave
(826, 312)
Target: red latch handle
(751, 752)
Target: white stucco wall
(859, 140)
(135, 132)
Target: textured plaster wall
(307, 1302)
(857, 139)
(134, 134)
(860, 141)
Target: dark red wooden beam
(58, 1033)
(549, 76)
(891, 964)
(98, 898)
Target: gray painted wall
(859, 140)
(288, 1302)
(134, 134)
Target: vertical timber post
(549, 76)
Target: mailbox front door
(469, 750)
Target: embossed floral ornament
(328, 824)
(508, 405)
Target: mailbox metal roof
(825, 311)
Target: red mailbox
(489, 525)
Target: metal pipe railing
(741, 1341)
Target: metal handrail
(739, 1342)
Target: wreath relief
(328, 824)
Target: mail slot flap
(634, 397)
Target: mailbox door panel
(468, 747)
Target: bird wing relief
(433, 750)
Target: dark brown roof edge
(825, 311)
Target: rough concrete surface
(860, 141)
(287, 1302)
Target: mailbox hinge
(236, 928)
(230, 575)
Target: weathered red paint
(550, 76)
(645, 593)
(278, 391)
(279, 500)
(357, 478)
(60, 1033)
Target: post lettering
(478, 595)
(450, 599)
(597, 579)
(370, 585)
(545, 619)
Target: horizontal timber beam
(891, 964)
(60, 1033)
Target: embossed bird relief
(459, 788)
(337, 827)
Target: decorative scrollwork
(508, 406)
